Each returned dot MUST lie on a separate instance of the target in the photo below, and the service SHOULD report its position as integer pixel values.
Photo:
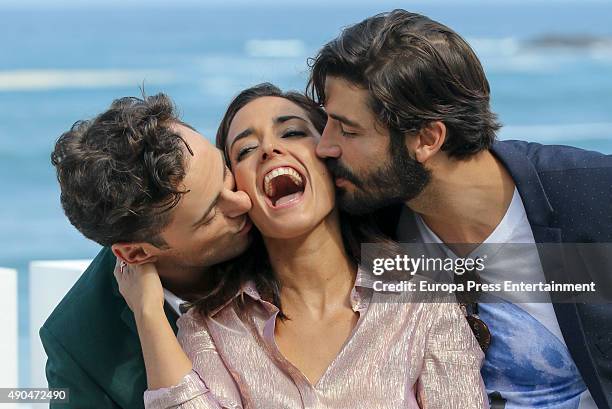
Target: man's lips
(341, 182)
(246, 226)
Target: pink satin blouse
(401, 354)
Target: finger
(118, 275)
(127, 270)
(121, 270)
(117, 264)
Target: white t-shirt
(528, 364)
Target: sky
(284, 3)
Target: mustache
(341, 171)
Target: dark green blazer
(92, 343)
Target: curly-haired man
(148, 187)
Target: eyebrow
(216, 200)
(241, 135)
(285, 118)
(344, 120)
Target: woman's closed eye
(242, 152)
(293, 133)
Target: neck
(314, 269)
(466, 199)
(184, 282)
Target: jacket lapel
(539, 210)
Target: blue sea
(549, 65)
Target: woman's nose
(269, 151)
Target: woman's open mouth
(283, 187)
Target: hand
(165, 362)
(141, 287)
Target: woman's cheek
(330, 192)
(246, 181)
(241, 178)
(326, 186)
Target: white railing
(49, 282)
(9, 340)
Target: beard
(400, 180)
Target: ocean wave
(558, 133)
(499, 55)
(222, 76)
(288, 48)
(496, 46)
(41, 80)
(245, 66)
(513, 55)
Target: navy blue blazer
(567, 194)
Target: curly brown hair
(119, 173)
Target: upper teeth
(292, 173)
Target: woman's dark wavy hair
(227, 278)
(119, 172)
(416, 71)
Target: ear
(136, 253)
(428, 142)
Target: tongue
(285, 190)
(288, 198)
